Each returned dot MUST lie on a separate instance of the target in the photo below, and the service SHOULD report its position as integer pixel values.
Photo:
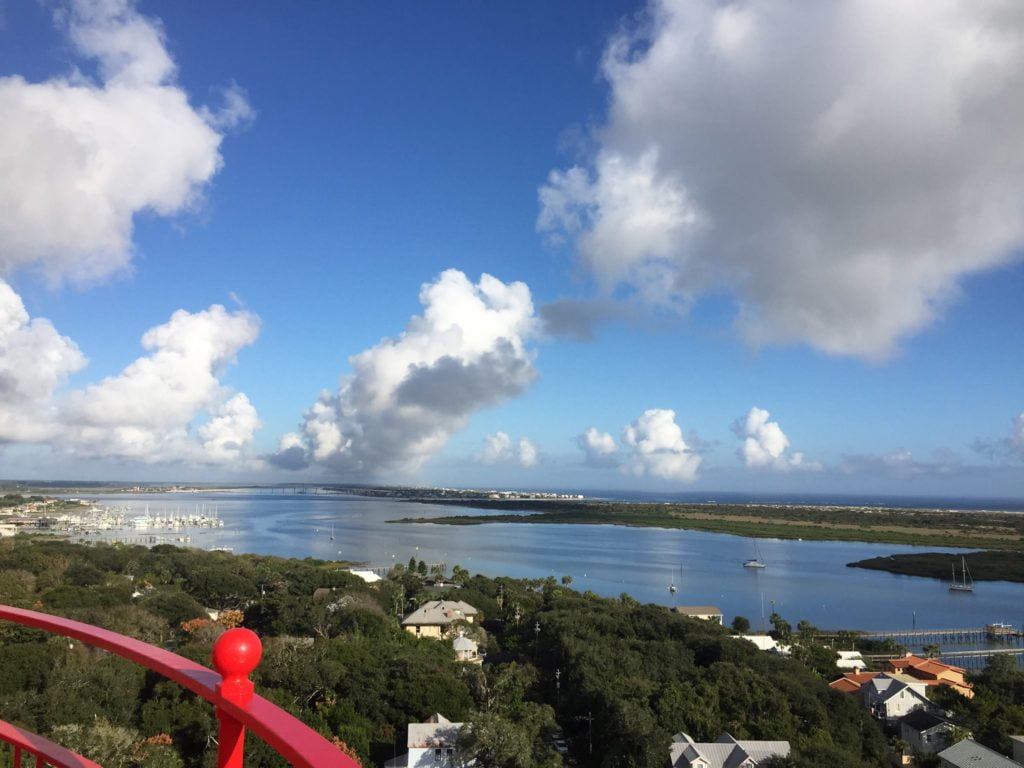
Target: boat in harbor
(965, 583)
(755, 561)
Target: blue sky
(747, 248)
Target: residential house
(932, 672)
(435, 618)
(926, 731)
(706, 612)
(433, 744)
(725, 752)
(970, 754)
(890, 697)
(852, 682)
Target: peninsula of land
(984, 530)
(983, 566)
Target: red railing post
(235, 655)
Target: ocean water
(804, 579)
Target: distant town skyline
(673, 246)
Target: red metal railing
(235, 655)
(45, 751)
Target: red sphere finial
(235, 655)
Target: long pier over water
(957, 635)
(966, 646)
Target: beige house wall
(424, 630)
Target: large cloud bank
(838, 168)
(653, 445)
(78, 158)
(406, 396)
(765, 444)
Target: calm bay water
(803, 580)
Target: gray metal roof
(438, 731)
(970, 754)
(725, 752)
(439, 613)
(922, 720)
(698, 610)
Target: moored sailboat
(755, 561)
(965, 584)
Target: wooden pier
(956, 635)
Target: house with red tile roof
(933, 672)
(851, 682)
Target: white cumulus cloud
(168, 405)
(837, 169)
(658, 448)
(499, 448)
(765, 444)
(406, 396)
(79, 158)
(147, 411)
(598, 447)
(653, 445)
(528, 454)
(34, 361)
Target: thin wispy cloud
(1008, 448)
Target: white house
(890, 698)
(724, 752)
(433, 744)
